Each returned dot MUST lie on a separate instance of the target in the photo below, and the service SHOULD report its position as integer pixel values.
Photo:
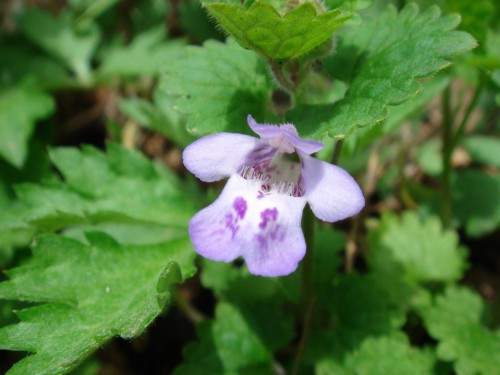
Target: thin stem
(447, 149)
(461, 128)
(337, 150)
(185, 306)
(308, 297)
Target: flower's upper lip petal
(268, 131)
(271, 246)
(217, 156)
(331, 192)
(265, 131)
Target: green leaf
(239, 286)
(274, 36)
(58, 36)
(476, 201)
(158, 116)
(144, 56)
(239, 341)
(120, 192)
(483, 149)
(422, 248)
(328, 259)
(89, 294)
(216, 86)
(20, 108)
(390, 355)
(359, 309)
(19, 59)
(454, 320)
(14, 232)
(382, 60)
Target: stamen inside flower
(275, 172)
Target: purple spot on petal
(260, 195)
(240, 206)
(269, 214)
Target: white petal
(331, 192)
(264, 229)
(217, 156)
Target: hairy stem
(279, 74)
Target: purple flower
(258, 214)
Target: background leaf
(59, 37)
(216, 86)
(454, 320)
(239, 341)
(121, 193)
(20, 108)
(476, 201)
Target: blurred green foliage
(93, 233)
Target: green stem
(447, 149)
(461, 128)
(337, 150)
(307, 293)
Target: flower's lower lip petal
(275, 244)
(264, 229)
(331, 192)
(218, 156)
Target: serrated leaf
(59, 37)
(422, 248)
(239, 341)
(90, 293)
(483, 149)
(216, 86)
(20, 108)
(476, 201)
(274, 36)
(120, 189)
(389, 355)
(454, 320)
(382, 59)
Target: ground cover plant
(249, 187)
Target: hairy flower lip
(258, 214)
